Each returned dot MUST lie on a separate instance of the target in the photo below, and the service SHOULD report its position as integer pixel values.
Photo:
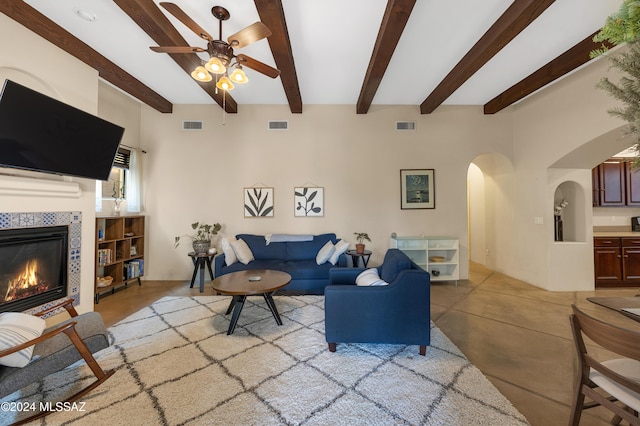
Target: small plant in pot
(361, 237)
(202, 236)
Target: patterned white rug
(176, 366)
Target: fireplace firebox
(33, 266)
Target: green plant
(624, 27)
(621, 27)
(361, 236)
(203, 232)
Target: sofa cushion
(340, 247)
(394, 262)
(242, 251)
(325, 253)
(15, 329)
(229, 255)
(369, 277)
(307, 250)
(260, 249)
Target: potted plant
(202, 236)
(360, 237)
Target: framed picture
(258, 202)
(308, 201)
(417, 189)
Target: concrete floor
(518, 335)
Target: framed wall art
(258, 202)
(308, 201)
(417, 189)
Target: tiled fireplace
(39, 259)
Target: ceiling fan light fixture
(238, 76)
(225, 84)
(215, 66)
(201, 74)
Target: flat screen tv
(43, 134)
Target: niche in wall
(569, 213)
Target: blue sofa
(398, 313)
(297, 258)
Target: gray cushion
(55, 353)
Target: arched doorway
(490, 185)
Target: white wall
(193, 176)
(200, 176)
(547, 127)
(22, 54)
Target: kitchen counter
(611, 234)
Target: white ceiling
(332, 42)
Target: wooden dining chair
(612, 383)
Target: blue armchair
(398, 313)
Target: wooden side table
(355, 256)
(199, 261)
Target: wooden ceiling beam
(35, 21)
(394, 20)
(514, 20)
(153, 21)
(563, 64)
(272, 15)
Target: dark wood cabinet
(616, 261)
(633, 184)
(607, 262)
(612, 183)
(631, 260)
(615, 184)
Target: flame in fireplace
(26, 283)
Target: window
(118, 176)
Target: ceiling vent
(192, 125)
(278, 125)
(405, 126)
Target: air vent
(405, 125)
(192, 125)
(278, 125)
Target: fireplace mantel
(31, 187)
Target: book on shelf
(104, 256)
(134, 269)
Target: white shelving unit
(436, 255)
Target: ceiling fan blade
(177, 49)
(256, 65)
(252, 33)
(186, 20)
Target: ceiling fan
(221, 54)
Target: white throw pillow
(370, 277)
(229, 255)
(324, 254)
(340, 247)
(17, 328)
(242, 251)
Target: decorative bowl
(436, 258)
(105, 281)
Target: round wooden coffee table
(250, 283)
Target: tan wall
(22, 54)
(199, 176)
(191, 176)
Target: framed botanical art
(258, 202)
(417, 189)
(308, 201)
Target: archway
(490, 185)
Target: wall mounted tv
(43, 134)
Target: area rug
(177, 366)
